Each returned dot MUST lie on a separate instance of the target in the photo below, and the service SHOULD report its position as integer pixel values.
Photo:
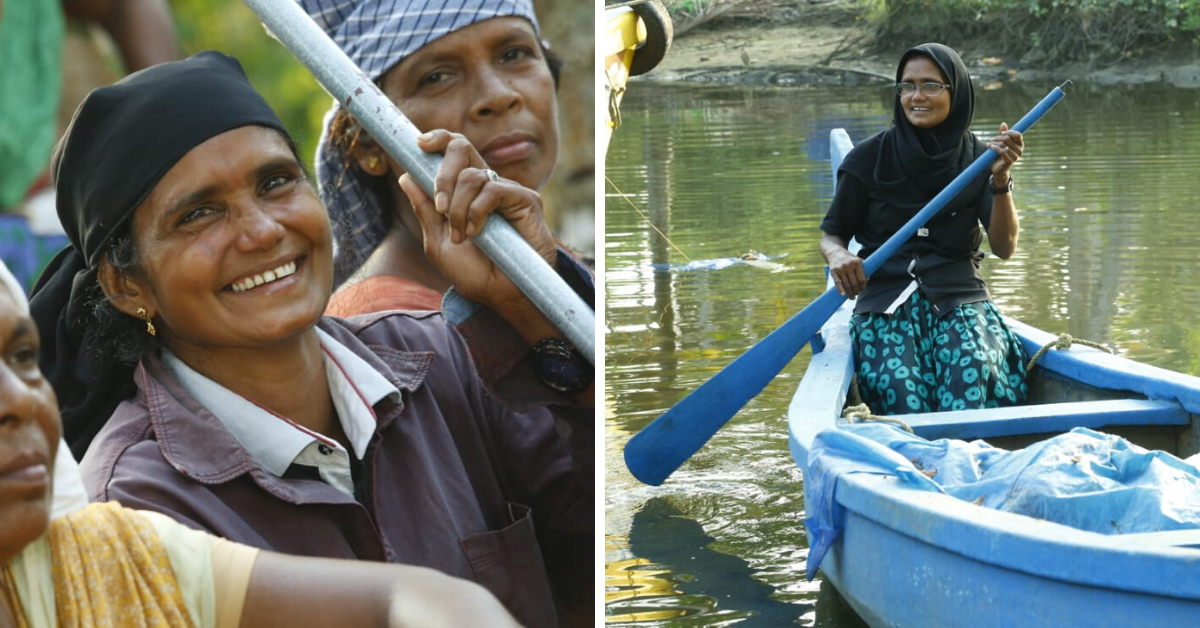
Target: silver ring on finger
(491, 174)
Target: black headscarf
(122, 140)
(912, 165)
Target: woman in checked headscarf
(475, 68)
(184, 324)
(927, 336)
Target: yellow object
(621, 38)
(8, 589)
(109, 566)
(636, 36)
(91, 592)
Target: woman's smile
(265, 278)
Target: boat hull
(907, 557)
(892, 579)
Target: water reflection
(700, 577)
(1109, 230)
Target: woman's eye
(24, 358)
(276, 181)
(195, 214)
(516, 54)
(433, 78)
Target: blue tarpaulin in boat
(1083, 479)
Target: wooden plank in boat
(1044, 418)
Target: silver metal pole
(398, 136)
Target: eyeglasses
(929, 89)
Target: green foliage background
(231, 27)
(1044, 32)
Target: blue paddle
(655, 452)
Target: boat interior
(1057, 404)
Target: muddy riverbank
(830, 44)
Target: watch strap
(1004, 190)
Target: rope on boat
(1063, 341)
(614, 98)
(861, 412)
(646, 218)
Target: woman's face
(490, 82)
(923, 110)
(234, 247)
(29, 429)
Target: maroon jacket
(451, 480)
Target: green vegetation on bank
(1043, 32)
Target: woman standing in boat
(927, 336)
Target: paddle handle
(655, 452)
(288, 23)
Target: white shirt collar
(356, 388)
(275, 441)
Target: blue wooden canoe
(914, 558)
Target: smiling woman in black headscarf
(927, 336)
(117, 148)
(183, 329)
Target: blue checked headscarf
(376, 35)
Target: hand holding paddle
(656, 451)
(1008, 144)
(397, 135)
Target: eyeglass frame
(921, 87)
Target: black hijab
(908, 165)
(123, 139)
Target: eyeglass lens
(929, 89)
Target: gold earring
(373, 163)
(141, 311)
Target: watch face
(561, 367)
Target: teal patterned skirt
(915, 361)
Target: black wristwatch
(561, 367)
(1004, 190)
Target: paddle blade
(654, 453)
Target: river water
(1108, 194)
